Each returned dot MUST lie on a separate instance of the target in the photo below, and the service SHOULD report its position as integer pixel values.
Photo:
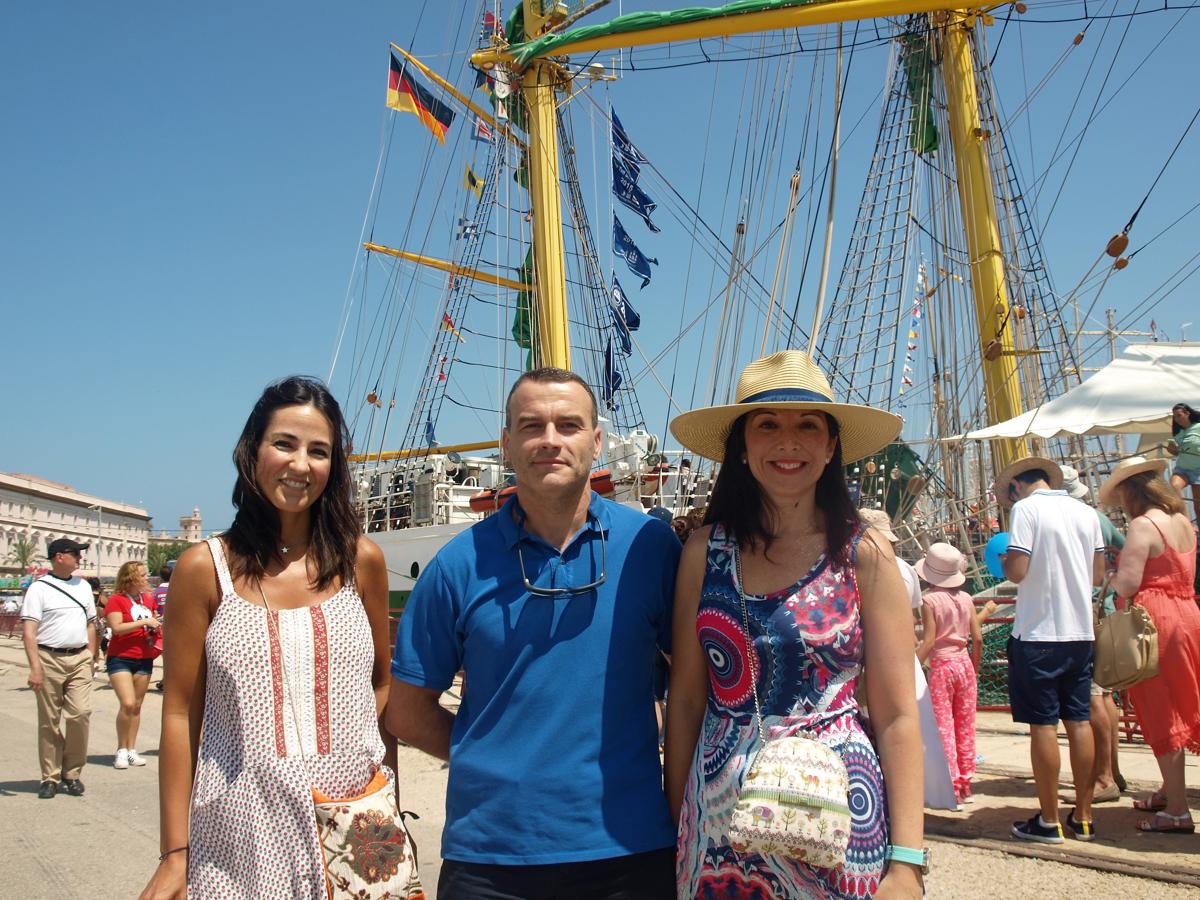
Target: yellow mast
(974, 174)
(977, 198)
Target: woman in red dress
(1157, 569)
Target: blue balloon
(996, 547)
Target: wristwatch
(909, 855)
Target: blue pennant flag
(625, 317)
(430, 440)
(624, 247)
(626, 189)
(624, 149)
(612, 378)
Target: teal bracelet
(909, 855)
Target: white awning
(1133, 394)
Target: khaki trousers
(66, 694)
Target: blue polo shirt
(554, 752)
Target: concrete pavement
(105, 843)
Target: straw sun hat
(1013, 469)
(788, 379)
(1125, 468)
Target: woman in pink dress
(1157, 569)
(277, 666)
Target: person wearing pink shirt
(948, 614)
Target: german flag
(406, 95)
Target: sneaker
(1033, 830)
(135, 758)
(73, 786)
(47, 790)
(964, 794)
(1083, 831)
(122, 759)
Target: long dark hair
(253, 537)
(1193, 417)
(738, 503)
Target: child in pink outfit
(948, 614)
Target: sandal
(1168, 824)
(1154, 803)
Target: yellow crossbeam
(451, 267)
(422, 451)
(826, 13)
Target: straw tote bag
(367, 850)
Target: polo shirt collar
(512, 520)
(1051, 491)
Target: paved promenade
(104, 844)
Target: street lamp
(99, 526)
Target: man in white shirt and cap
(59, 631)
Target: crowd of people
(788, 620)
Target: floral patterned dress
(808, 643)
(253, 828)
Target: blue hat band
(787, 395)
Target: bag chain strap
(750, 656)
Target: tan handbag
(1126, 648)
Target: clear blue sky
(183, 188)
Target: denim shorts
(639, 876)
(1049, 680)
(130, 664)
(1192, 475)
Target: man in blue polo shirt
(555, 608)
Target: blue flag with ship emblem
(625, 317)
(626, 189)
(625, 248)
(612, 378)
(623, 147)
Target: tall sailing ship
(942, 309)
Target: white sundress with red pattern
(253, 829)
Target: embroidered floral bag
(365, 844)
(794, 800)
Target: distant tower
(189, 527)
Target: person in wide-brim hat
(942, 566)
(788, 379)
(1134, 465)
(1005, 479)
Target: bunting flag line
(624, 148)
(467, 229)
(482, 132)
(612, 378)
(406, 95)
(483, 81)
(491, 25)
(448, 324)
(625, 248)
(625, 317)
(442, 376)
(473, 182)
(625, 188)
(914, 323)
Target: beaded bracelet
(169, 852)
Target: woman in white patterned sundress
(263, 702)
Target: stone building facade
(40, 511)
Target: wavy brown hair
(253, 538)
(1145, 491)
(738, 503)
(127, 577)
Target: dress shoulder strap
(217, 549)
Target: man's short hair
(1032, 476)
(550, 375)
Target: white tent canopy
(1133, 394)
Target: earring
(744, 460)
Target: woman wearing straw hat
(784, 566)
(948, 615)
(1157, 569)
